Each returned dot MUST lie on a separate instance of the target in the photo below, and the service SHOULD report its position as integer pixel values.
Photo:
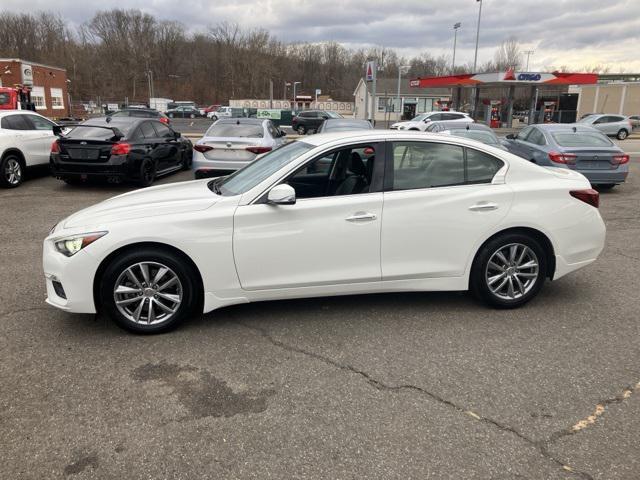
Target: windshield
(235, 130)
(248, 177)
(419, 118)
(581, 139)
(484, 137)
(347, 125)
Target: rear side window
(481, 167)
(163, 130)
(581, 139)
(15, 122)
(147, 131)
(425, 165)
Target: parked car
(310, 120)
(184, 111)
(613, 125)
(230, 144)
(474, 131)
(343, 125)
(421, 121)
(142, 113)
(119, 149)
(282, 228)
(220, 113)
(210, 109)
(25, 141)
(573, 147)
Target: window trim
(389, 167)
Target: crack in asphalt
(616, 252)
(22, 310)
(540, 446)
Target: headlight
(71, 245)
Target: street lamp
(295, 84)
(456, 26)
(528, 53)
(401, 70)
(475, 58)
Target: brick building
(48, 84)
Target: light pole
(475, 62)
(456, 26)
(284, 90)
(295, 84)
(401, 70)
(528, 53)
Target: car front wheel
(10, 172)
(508, 271)
(148, 291)
(302, 130)
(622, 134)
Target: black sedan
(184, 112)
(119, 149)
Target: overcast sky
(574, 33)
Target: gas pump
(549, 109)
(493, 113)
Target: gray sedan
(474, 131)
(575, 147)
(617, 126)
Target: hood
(404, 125)
(148, 202)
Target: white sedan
(335, 214)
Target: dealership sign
(269, 113)
(27, 75)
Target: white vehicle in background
(222, 112)
(25, 141)
(306, 220)
(232, 143)
(421, 121)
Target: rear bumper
(117, 166)
(203, 165)
(599, 177)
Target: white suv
(221, 112)
(424, 119)
(25, 140)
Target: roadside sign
(269, 113)
(370, 74)
(318, 91)
(27, 75)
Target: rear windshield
(89, 132)
(235, 130)
(347, 125)
(581, 139)
(484, 137)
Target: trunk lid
(230, 148)
(83, 150)
(589, 158)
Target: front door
(438, 202)
(330, 236)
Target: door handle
(483, 207)
(361, 216)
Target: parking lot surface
(420, 385)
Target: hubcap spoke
(512, 271)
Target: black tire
(480, 271)
(622, 134)
(605, 186)
(214, 118)
(11, 171)
(302, 130)
(147, 173)
(188, 288)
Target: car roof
(564, 127)
(243, 121)
(4, 113)
(382, 135)
(136, 109)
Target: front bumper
(74, 274)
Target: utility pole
(295, 84)
(401, 70)
(528, 53)
(476, 92)
(456, 26)
(373, 93)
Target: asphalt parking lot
(377, 386)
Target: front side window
(425, 165)
(347, 171)
(40, 123)
(163, 130)
(147, 131)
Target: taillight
(620, 159)
(120, 149)
(258, 150)
(565, 158)
(588, 195)
(165, 120)
(55, 147)
(202, 148)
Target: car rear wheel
(147, 173)
(622, 134)
(148, 291)
(11, 172)
(302, 130)
(192, 115)
(508, 271)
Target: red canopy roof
(509, 77)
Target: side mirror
(511, 136)
(283, 133)
(282, 194)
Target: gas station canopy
(502, 79)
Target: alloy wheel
(512, 271)
(148, 293)
(13, 171)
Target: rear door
(438, 201)
(27, 139)
(42, 131)
(167, 147)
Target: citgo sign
(529, 77)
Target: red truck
(16, 98)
